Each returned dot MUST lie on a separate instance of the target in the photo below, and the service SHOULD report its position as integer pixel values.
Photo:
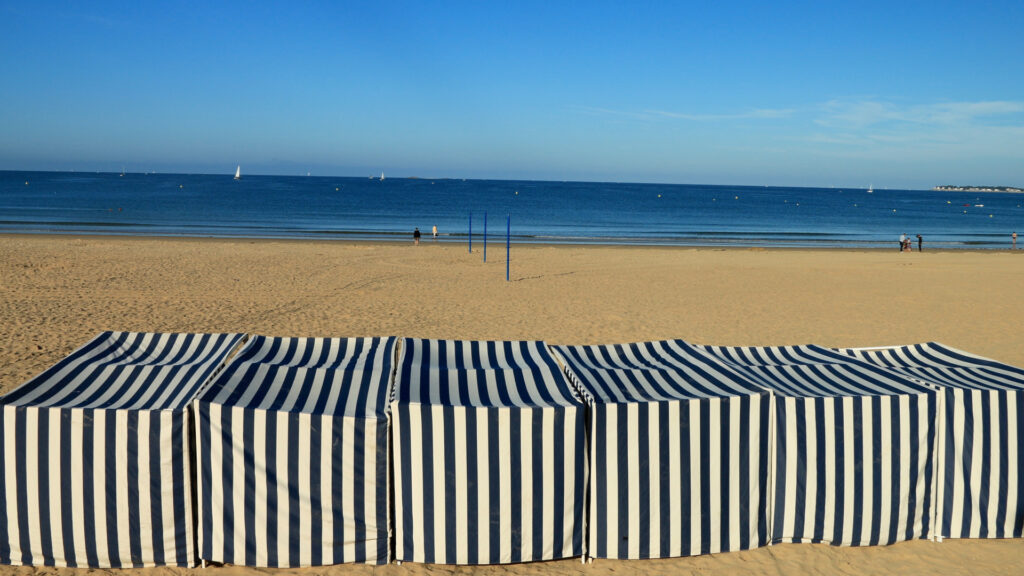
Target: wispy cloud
(849, 115)
(885, 130)
(91, 19)
(859, 114)
(861, 127)
(608, 112)
(42, 12)
(752, 114)
(652, 115)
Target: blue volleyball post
(508, 244)
(470, 232)
(485, 236)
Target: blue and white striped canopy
(331, 376)
(293, 453)
(652, 372)
(489, 454)
(814, 372)
(480, 374)
(852, 450)
(937, 364)
(981, 425)
(678, 450)
(128, 371)
(96, 453)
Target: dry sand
(58, 292)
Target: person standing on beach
(1014, 236)
(903, 242)
(416, 236)
(919, 242)
(435, 231)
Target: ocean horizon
(388, 209)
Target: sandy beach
(59, 291)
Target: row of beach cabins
(143, 449)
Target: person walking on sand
(903, 242)
(919, 240)
(416, 236)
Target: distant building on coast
(978, 189)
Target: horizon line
(230, 175)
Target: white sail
(238, 172)
(382, 175)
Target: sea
(375, 209)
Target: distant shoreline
(1002, 189)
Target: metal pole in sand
(485, 236)
(470, 232)
(508, 244)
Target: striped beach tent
(853, 458)
(94, 453)
(981, 436)
(490, 458)
(679, 447)
(293, 454)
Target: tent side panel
(982, 464)
(284, 489)
(94, 488)
(488, 485)
(679, 478)
(853, 471)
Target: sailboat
(238, 172)
(871, 189)
(382, 175)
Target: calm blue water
(558, 212)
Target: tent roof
(333, 376)
(651, 372)
(128, 371)
(813, 371)
(941, 365)
(480, 374)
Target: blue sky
(898, 94)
